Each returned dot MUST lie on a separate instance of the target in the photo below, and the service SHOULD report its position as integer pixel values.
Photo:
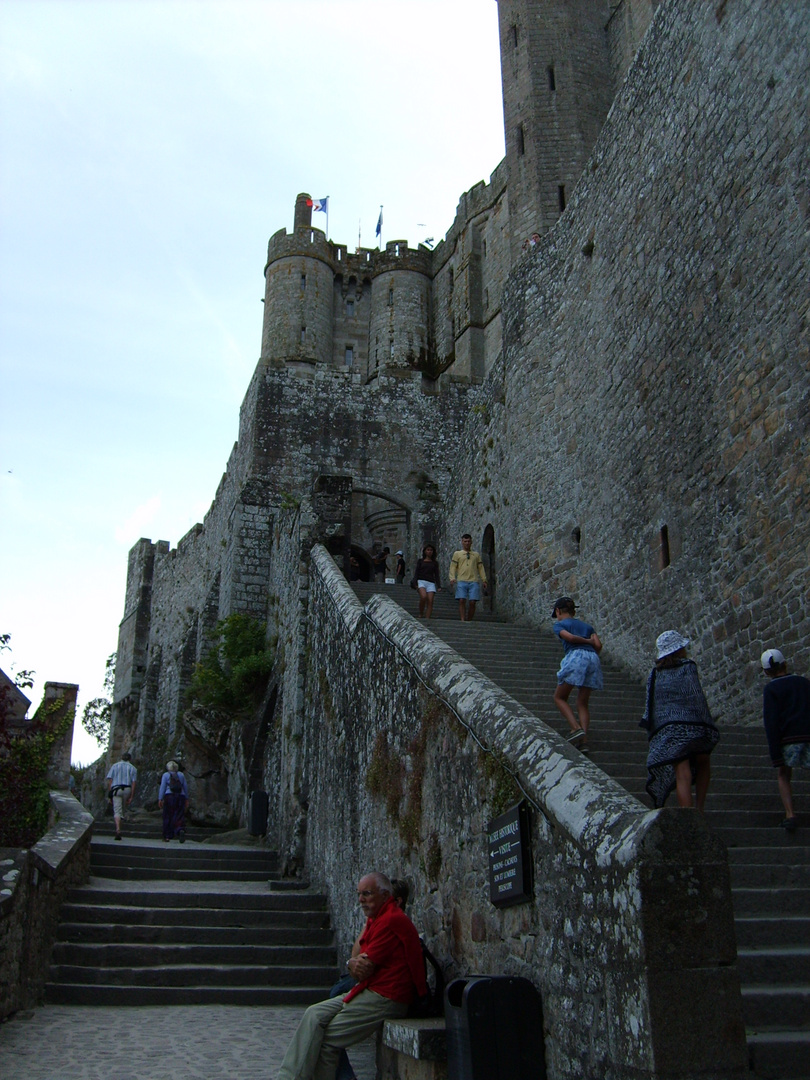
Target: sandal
(789, 824)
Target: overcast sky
(147, 153)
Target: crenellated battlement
(311, 243)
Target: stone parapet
(33, 886)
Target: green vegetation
(24, 787)
(233, 676)
(97, 714)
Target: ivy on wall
(24, 787)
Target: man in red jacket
(390, 971)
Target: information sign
(510, 857)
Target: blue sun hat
(669, 642)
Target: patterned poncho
(678, 723)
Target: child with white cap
(786, 715)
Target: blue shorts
(468, 590)
(581, 667)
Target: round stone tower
(400, 309)
(299, 288)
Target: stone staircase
(770, 869)
(195, 924)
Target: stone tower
(557, 89)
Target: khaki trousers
(329, 1027)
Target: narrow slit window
(552, 79)
(303, 335)
(484, 248)
(348, 356)
(303, 282)
(576, 540)
(520, 140)
(561, 196)
(514, 30)
(350, 308)
(665, 556)
(390, 297)
(451, 276)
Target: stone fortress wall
(644, 445)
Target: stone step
(123, 954)
(195, 974)
(788, 964)
(157, 925)
(767, 931)
(771, 875)
(109, 851)
(786, 1006)
(773, 853)
(265, 995)
(778, 1054)
(764, 901)
(154, 915)
(168, 873)
(179, 934)
(212, 898)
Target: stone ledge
(423, 1039)
(72, 828)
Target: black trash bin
(257, 815)
(494, 1029)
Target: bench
(412, 1050)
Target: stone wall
(33, 885)
(644, 446)
(406, 752)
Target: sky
(147, 153)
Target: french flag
(319, 204)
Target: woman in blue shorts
(580, 668)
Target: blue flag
(378, 231)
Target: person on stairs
(580, 668)
(786, 715)
(679, 726)
(469, 577)
(121, 780)
(173, 801)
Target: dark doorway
(488, 557)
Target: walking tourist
(786, 714)
(380, 561)
(428, 580)
(121, 780)
(679, 726)
(173, 801)
(468, 574)
(399, 573)
(580, 668)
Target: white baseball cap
(771, 658)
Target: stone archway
(488, 557)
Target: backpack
(432, 1004)
(175, 787)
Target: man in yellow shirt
(467, 572)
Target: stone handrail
(31, 893)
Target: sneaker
(789, 824)
(118, 836)
(575, 735)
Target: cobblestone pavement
(183, 1042)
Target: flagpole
(327, 217)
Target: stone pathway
(184, 1042)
